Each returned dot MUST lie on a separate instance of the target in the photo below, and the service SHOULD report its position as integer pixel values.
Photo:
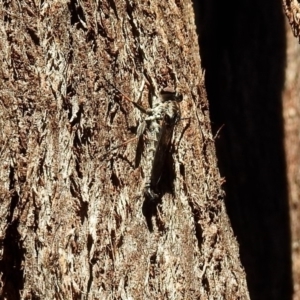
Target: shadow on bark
(242, 46)
(11, 269)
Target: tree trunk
(72, 218)
(291, 110)
(243, 51)
(291, 106)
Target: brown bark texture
(291, 110)
(72, 223)
(291, 113)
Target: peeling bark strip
(292, 10)
(73, 221)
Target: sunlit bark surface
(71, 223)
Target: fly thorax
(153, 135)
(172, 112)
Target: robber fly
(164, 117)
(160, 122)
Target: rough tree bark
(72, 225)
(292, 11)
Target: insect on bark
(159, 123)
(164, 118)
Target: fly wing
(140, 144)
(161, 152)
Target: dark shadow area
(11, 263)
(242, 47)
(13, 252)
